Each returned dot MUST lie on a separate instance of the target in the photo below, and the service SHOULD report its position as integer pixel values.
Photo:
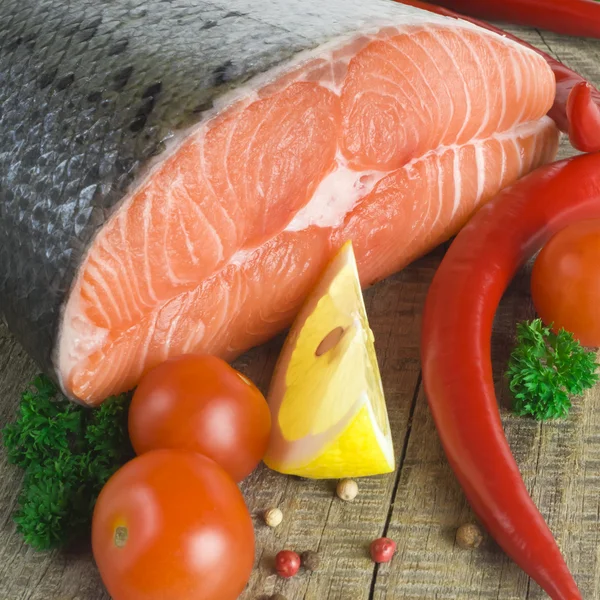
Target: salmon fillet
(390, 135)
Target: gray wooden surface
(420, 506)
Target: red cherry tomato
(172, 524)
(565, 282)
(200, 403)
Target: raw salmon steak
(175, 175)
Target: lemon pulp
(326, 397)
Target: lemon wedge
(326, 397)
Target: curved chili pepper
(456, 354)
(570, 17)
(582, 120)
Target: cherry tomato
(172, 524)
(200, 403)
(565, 281)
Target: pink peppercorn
(382, 550)
(287, 563)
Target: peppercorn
(347, 490)
(273, 517)
(469, 535)
(287, 563)
(311, 561)
(382, 550)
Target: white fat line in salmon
(339, 192)
(248, 93)
(320, 211)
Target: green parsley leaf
(546, 368)
(68, 452)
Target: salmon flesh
(175, 174)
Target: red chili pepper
(570, 17)
(576, 110)
(583, 115)
(457, 366)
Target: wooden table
(420, 506)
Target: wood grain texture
(420, 505)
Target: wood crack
(401, 461)
(550, 49)
(537, 466)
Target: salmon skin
(174, 174)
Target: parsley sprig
(546, 368)
(68, 452)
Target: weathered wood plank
(429, 505)
(557, 461)
(315, 518)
